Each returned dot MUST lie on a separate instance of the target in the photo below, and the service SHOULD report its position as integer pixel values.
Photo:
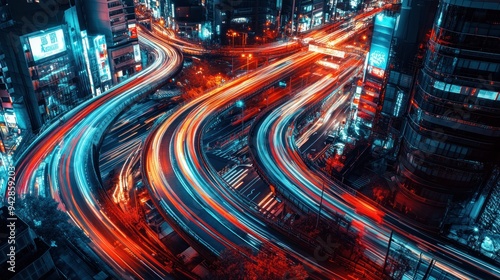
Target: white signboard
(47, 44)
(332, 52)
(137, 53)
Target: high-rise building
(405, 58)
(190, 19)
(116, 21)
(157, 7)
(302, 15)
(8, 120)
(375, 76)
(252, 21)
(451, 139)
(45, 75)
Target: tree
(199, 77)
(268, 264)
(48, 222)
(273, 264)
(232, 264)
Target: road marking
(255, 196)
(238, 185)
(265, 199)
(239, 177)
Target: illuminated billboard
(328, 51)
(10, 119)
(381, 43)
(137, 53)
(132, 29)
(47, 44)
(102, 58)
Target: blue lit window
(488, 94)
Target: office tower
(375, 76)
(44, 72)
(89, 51)
(190, 17)
(213, 20)
(116, 21)
(7, 115)
(29, 255)
(451, 140)
(252, 21)
(405, 58)
(302, 15)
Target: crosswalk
(361, 182)
(235, 177)
(265, 201)
(270, 205)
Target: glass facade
(452, 134)
(375, 75)
(55, 86)
(115, 20)
(53, 76)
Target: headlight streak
(81, 128)
(181, 131)
(280, 162)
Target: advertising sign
(47, 44)
(381, 43)
(102, 58)
(137, 53)
(10, 119)
(328, 51)
(132, 29)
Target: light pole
(292, 17)
(320, 203)
(249, 56)
(241, 104)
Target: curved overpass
(277, 158)
(181, 182)
(189, 48)
(72, 173)
(189, 193)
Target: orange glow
(364, 208)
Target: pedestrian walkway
(234, 178)
(270, 205)
(160, 94)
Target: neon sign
(48, 44)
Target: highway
(191, 195)
(276, 154)
(72, 170)
(275, 49)
(182, 185)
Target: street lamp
(241, 104)
(233, 34)
(249, 56)
(320, 204)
